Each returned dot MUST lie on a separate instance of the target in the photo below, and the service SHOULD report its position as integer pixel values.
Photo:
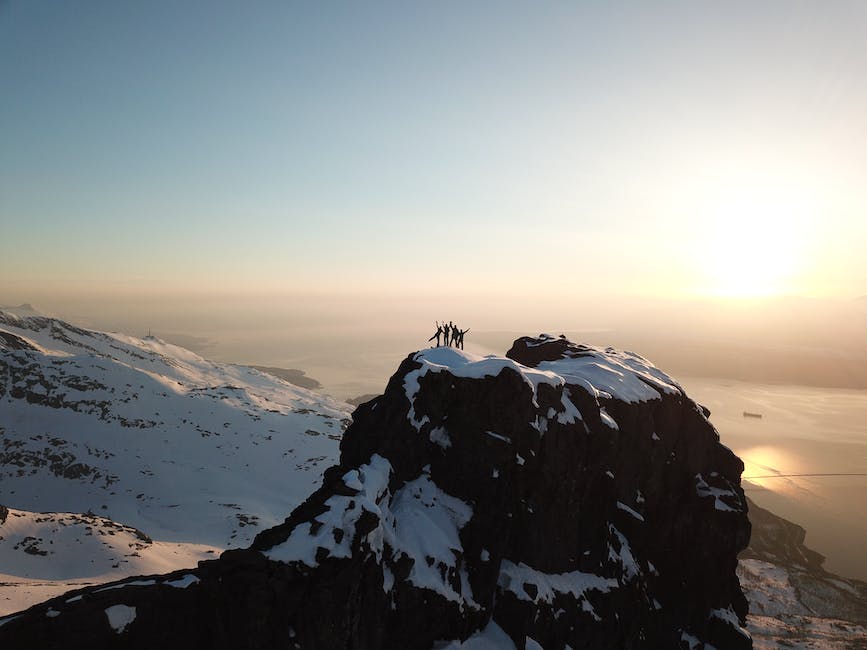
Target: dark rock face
(565, 495)
(780, 541)
(9, 341)
(785, 580)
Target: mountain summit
(563, 496)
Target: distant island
(292, 375)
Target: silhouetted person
(438, 334)
(461, 337)
(447, 333)
(455, 333)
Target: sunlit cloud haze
(170, 165)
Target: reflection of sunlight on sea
(767, 467)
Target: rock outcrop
(779, 541)
(794, 601)
(564, 496)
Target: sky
(486, 153)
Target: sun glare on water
(770, 467)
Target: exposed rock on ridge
(794, 601)
(566, 495)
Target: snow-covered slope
(150, 435)
(794, 608)
(44, 554)
(794, 602)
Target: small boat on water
(747, 414)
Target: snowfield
(98, 428)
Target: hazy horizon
(352, 345)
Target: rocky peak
(562, 495)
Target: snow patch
(419, 521)
(468, 366)
(728, 615)
(497, 436)
(492, 637)
(423, 522)
(693, 642)
(704, 490)
(613, 373)
(439, 436)
(387, 579)
(183, 582)
(120, 617)
(131, 583)
(624, 556)
(607, 419)
(570, 413)
(513, 577)
(630, 511)
(335, 528)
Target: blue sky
(208, 147)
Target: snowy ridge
(604, 374)
(43, 554)
(518, 577)
(459, 363)
(334, 530)
(607, 372)
(420, 523)
(151, 435)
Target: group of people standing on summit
(450, 333)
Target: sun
(753, 242)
